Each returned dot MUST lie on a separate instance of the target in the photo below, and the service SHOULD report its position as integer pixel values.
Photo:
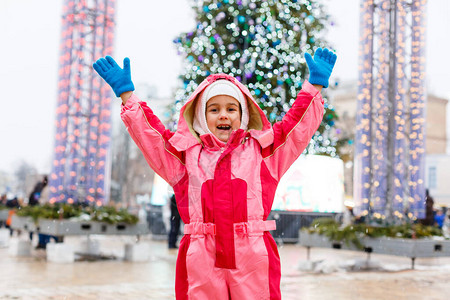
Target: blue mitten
(119, 79)
(321, 66)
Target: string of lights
(363, 135)
(380, 112)
(389, 181)
(83, 113)
(418, 109)
(400, 159)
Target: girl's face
(223, 115)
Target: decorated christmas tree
(261, 43)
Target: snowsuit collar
(211, 142)
(258, 127)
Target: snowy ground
(330, 274)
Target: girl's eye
(231, 109)
(213, 110)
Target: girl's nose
(223, 114)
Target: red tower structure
(82, 137)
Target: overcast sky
(30, 36)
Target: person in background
(429, 212)
(35, 194)
(175, 222)
(439, 218)
(33, 200)
(3, 199)
(13, 205)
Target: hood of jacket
(185, 137)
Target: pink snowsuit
(224, 195)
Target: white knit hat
(219, 87)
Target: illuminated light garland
(380, 115)
(417, 117)
(363, 135)
(388, 178)
(83, 106)
(400, 161)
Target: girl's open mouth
(224, 127)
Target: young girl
(224, 163)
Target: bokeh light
(83, 106)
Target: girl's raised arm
(293, 134)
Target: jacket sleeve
(152, 138)
(294, 132)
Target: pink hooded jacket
(225, 194)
